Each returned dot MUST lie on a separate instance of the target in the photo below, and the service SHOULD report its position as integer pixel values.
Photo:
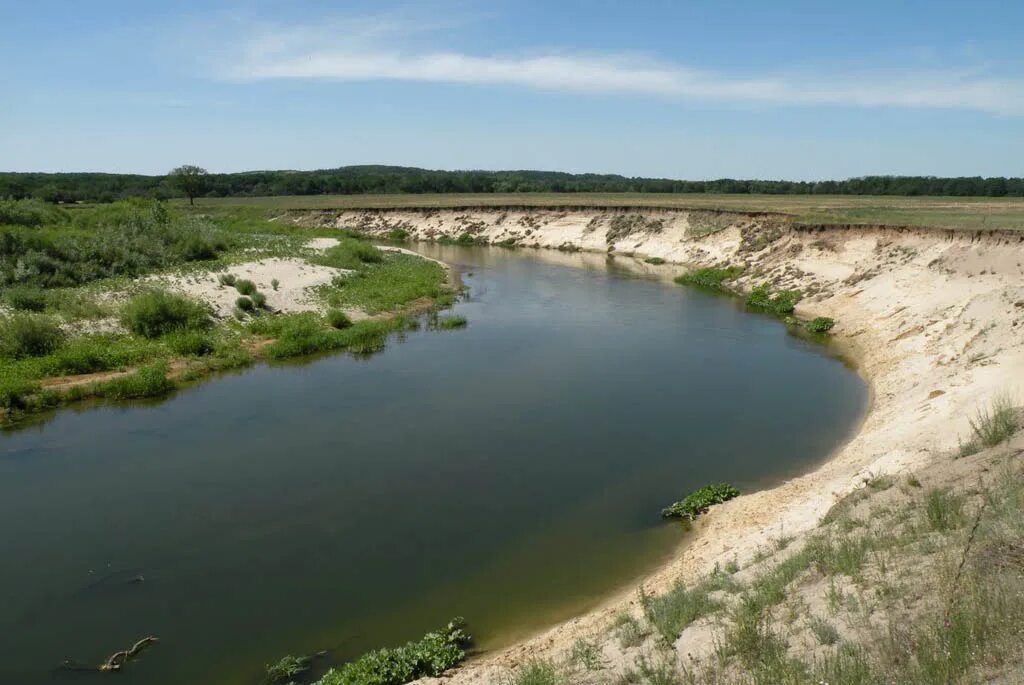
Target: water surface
(511, 472)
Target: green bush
(699, 501)
(26, 298)
(15, 393)
(338, 319)
(655, 260)
(820, 324)
(536, 672)
(275, 284)
(245, 286)
(259, 300)
(157, 312)
(190, 343)
(30, 213)
(95, 353)
(245, 304)
(781, 302)
(29, 335)
(430, 656)
(711, 278)
(398, 235)
(227, 279)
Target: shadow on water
(511, 472)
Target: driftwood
(116, 660)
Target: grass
(943, 509)
(711, 278)
(629, 630)
(149, 381)
(672, 612)
(286, 669)
(537, 672)
(992, 425)
(971, 213)
(448, 323)
(820, 324)
(397, 280)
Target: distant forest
(353, 180)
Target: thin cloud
(355, 58)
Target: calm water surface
(511, 472)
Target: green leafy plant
(26, 298)
(259, 300)
(287, 668)
(227, 279)
(699, 501)
(711, 278)
(779, 303)
(245, 304)
(149, 381)
(432, 655)
(820, 324)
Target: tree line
(354, 180)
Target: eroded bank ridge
(932, 317)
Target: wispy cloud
(354, 52)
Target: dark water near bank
(511, 472)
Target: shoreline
(928, 317)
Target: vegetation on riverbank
(711, 278)
(699, 501)
(79, 298)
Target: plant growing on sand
(245, 286)
(338, 319)
(227, 279)
(699, 501)
(286, 669)
(275, 284)
(157, 312)
(245, 304)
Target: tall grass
(397, 280)
(29, 335)
(995, 424)
(711, 278)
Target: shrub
(245, 286)
(28, 335)
(157, 312)
(820, 324)
(338, 319)
(432, 655)
(824, 632)
(781, 302)
(190, 343)
(699, 501)
(94, 353)
(655, 260)
(245, 304)
(227, 279)
(259, 300)
(274, 283)
(26, 298)
(15, 393)
(30, 213)
(398, 235)
(711, 278)
(447, 323)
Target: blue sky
(800, 90)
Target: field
(974, 213)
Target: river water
(511, 472)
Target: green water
(511, 472)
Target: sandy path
(933, 319)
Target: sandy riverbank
(932, 318)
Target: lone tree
(189, 179)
